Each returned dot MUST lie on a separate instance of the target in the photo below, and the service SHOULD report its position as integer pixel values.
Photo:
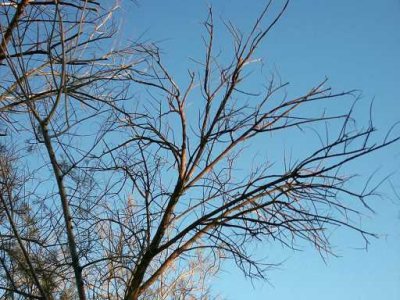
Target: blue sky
(356, 44)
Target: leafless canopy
(118, 183)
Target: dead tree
(129, 196)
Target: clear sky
(356, 44)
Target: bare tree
(110, 195)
